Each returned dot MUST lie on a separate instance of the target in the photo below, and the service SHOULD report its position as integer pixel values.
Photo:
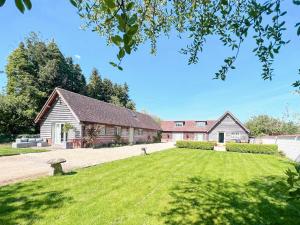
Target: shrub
(204, 145)
(157, 137)
(293, 180)
(252, 148)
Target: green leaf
(224, 2)
(133, 29)
(122, 23)
(120, 68)
(116, 40)
(28, 4)
(110, 4)
(113, 64)
(247, 22)
(129, 6)
(121, 53)
(20, 5)
(74, 3)
(126, 39)
(127, 49)
(132, 19)
(296, 2)
(2, 2)
(298, 31)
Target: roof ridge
(109, 103)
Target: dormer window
(201, 123)
(179, 124)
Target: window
(140, 131)
(118, 130)
(201, 123)
(235, 135)
(62, 133)
(179, 124)
(102, 130)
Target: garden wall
(288, 144)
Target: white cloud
(77, 56)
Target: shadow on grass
(204, 201)
(71, 173)
(25, 203)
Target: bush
(204, 145)
(293, 180)
(252, 148)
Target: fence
(288, 144)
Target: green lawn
(6, 150)
(175, 187)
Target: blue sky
(165, 84)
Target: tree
(35, 68)
(75, 78)
(266, 125)
(94, 87)
(128, 24)
(115, 100)
(106, 90)
(130, 105)
(22, 77)
(15, 115)
(156, 118)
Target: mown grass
(7, 150)
(178, 186)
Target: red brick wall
(109, 137)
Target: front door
(58, 133)
(221, 137)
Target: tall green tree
(94, 87)
(75, 80)
(34, 69)
(106, 90)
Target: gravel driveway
(32, 165)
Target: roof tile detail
(94, 111)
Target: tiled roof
(91, 110)
(189, 126)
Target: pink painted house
(226, 128)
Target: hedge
(204, 145)
(252, 148)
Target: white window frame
(102, 130)
(118, 130)
(203, 123)
(179, 124)
(235, 135)
(140, 132)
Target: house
(85, 114)
(226, 128)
